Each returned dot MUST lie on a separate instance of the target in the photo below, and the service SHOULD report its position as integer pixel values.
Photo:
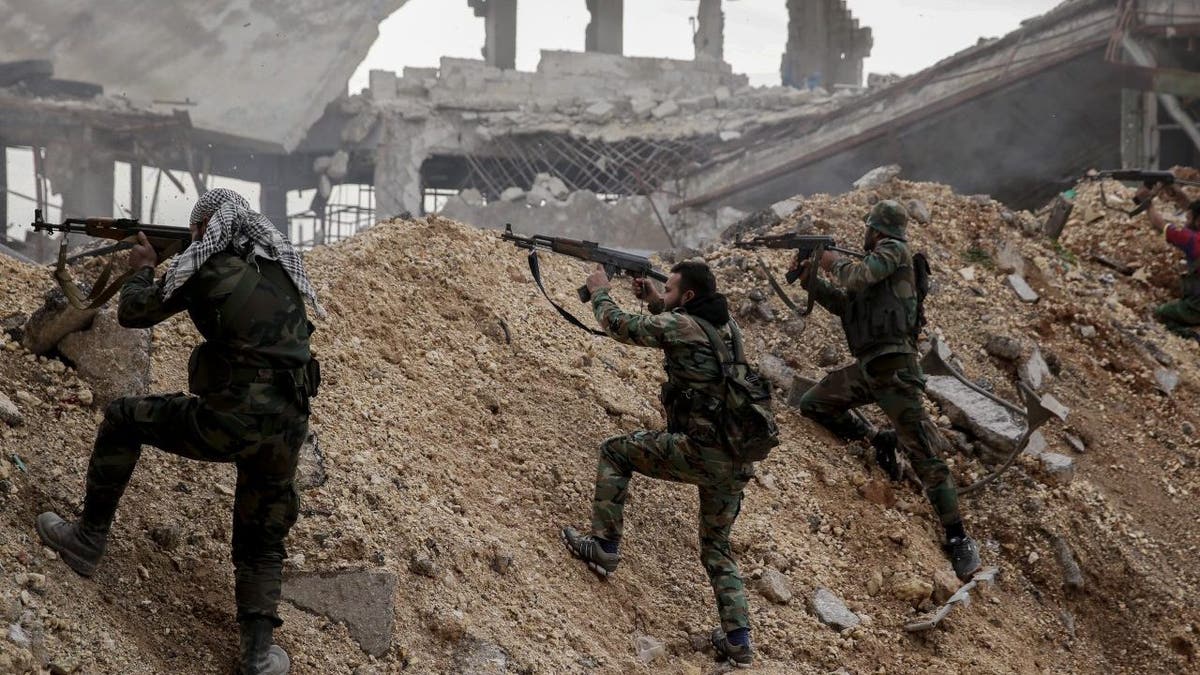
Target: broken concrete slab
(1037, 444)
(1034, 371)
(831, 611)
(665, 109)
(643, 107)
(1054, 407)
(987, 420)
(363, 600)
(1024, 291)
(877, 176)
(599, 112)
(53, 321)
(115, 361)
(512, 194)
(787, 207)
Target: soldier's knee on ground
(811, 407)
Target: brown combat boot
(259, 655)
(80, 546)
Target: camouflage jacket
(267, 330)
(693, 370)
(876, 299)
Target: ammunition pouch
(213, 376)
(209, 371)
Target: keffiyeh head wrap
(231, 221)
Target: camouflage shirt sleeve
(635, 329)
(857, 275)
(826, 295)
(142, 304)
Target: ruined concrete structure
(650, 151)
(825, 46)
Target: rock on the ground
(776, 371)
(115, 361)
(878, 176)
(649, 649)
(1072, 575)
(1034, 371)
(831, 611)
(878, 492)
(828, 356)
(919, 211)
(775, 587)
(1009, 259)
(987, 420)
(945, 584)
(1166, 379)
(1024, 291)
(477, 657)
(10, 414)
(1003, 347)
(53, 321)
(1059, 469)
(912, 590)
(364, 600)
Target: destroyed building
(638, 152)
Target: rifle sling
(536, 270)
(777, 288)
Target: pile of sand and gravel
(458, 427)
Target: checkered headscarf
(230, 221)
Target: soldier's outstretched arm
(856, 275)
(142, 304)
(634, 329)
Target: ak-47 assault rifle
(807, 247)
(166, 240)
(614, 262)
(1154, 179)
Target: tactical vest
(692, 404)
(883, 314)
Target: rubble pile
(457, 427)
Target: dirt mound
(459, 422)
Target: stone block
(665, 109)
(1024, 291)
(115, 361)
(831, 611)
(985, 419)
(1059, 469)
(599, 112)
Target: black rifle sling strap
(536, 270)
(777, 288)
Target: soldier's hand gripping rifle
(807, 247)
(1155, 180)
(166, 241)
(614, 262)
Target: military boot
(737, 655)
(79, 545)
(964, 556)
(587, 548)
(885, 445)
(259, 655)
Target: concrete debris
(1072, 575)
(945, 585)
(919, 212)
(53, 321)
(787, 207)
(1058, 469)
(10, 414)
(912, 590)
(1024, 291)
(987, 420)
(643, 107)
(665, 109)
(962, 596)
(477, 657)
(1009, 259)
(1055, 408)
(363, 600)
(1036, 445)
(1034, 372)
(728, 135)
(877, 177)
(339, 166)
(115, 361)
(512, 194)
(1166, 379)
(1087, 332)
(1003, 347)
(648, 649)
(831, 610)
(967, 273)
(775, 586)
(1076, 443)
(599, 112)
(776, 370)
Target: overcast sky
(909, 34)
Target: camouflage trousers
(893, 382)
(265, 449)
(1181, 317)
(674, 457)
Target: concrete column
(135, 189)
(272, 203)
(500, 22)
(606, 30)
(807, 45)
(398, 159)
(88, 191)
(710, 31)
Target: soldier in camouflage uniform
(876, 299)
(1182, 316)
(252, 379)
(689, 451)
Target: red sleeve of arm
(1180, 236)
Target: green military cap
(888, 217)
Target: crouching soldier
(877, 300)
(1182, 316)
(691, 324)
(244, 287)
